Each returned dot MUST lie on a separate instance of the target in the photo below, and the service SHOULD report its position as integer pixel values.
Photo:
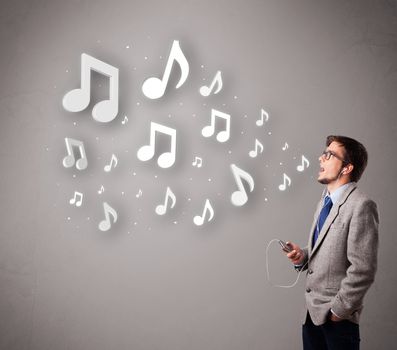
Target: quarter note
(209, 130)
(240, 197)
(284, 185)
(166, 159)
(199, 220)
(70, 160)
(114, 160)
(264, 117)
(206, 90)
(301, 167)
(258, 145)
(105, 225)
(76, 201)
(161, 209)
(78, 99)
(153, 87)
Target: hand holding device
(294, 252)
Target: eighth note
(254, 153)
(284, 185)
(153, 87)
(125, 120)
(76, 201)
(101, 190)
(240, 197)
(161, 209)
(105, 225)
(285, 146)
(301, 167)
(209, 130)
(166, 159)
(139, 194)
(70, 160)
(205, 90)
(78, 99)
(108, 167)
(198, 162)
(199, 220)
(264, 116)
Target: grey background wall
(161, 282)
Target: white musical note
(285, 146)
(166, 159)
(78, 99)
(198, 162)
(70, 160)
(301, 167)
(153, 87)
(240, 197)
(139, 194)
(125, 120)
(209, 130)
(161, 209)
(114, 160)
(76, 201)
(199, 220)
(101, 190)
(264, 117)
(205, 90)
(105, 225)
(258, 145)
(284, 185)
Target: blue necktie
(322, 217)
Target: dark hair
(355, 153)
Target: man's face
(330, 169)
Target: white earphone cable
(267, 269)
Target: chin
(323, 181)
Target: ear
(348, 169)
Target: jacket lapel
(330, 219)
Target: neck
(334, 185)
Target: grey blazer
(342, 264)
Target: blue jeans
(342, 335)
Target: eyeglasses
(327, 155)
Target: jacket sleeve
(362, 249)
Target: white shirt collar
(335, 196)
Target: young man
(341, 256)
